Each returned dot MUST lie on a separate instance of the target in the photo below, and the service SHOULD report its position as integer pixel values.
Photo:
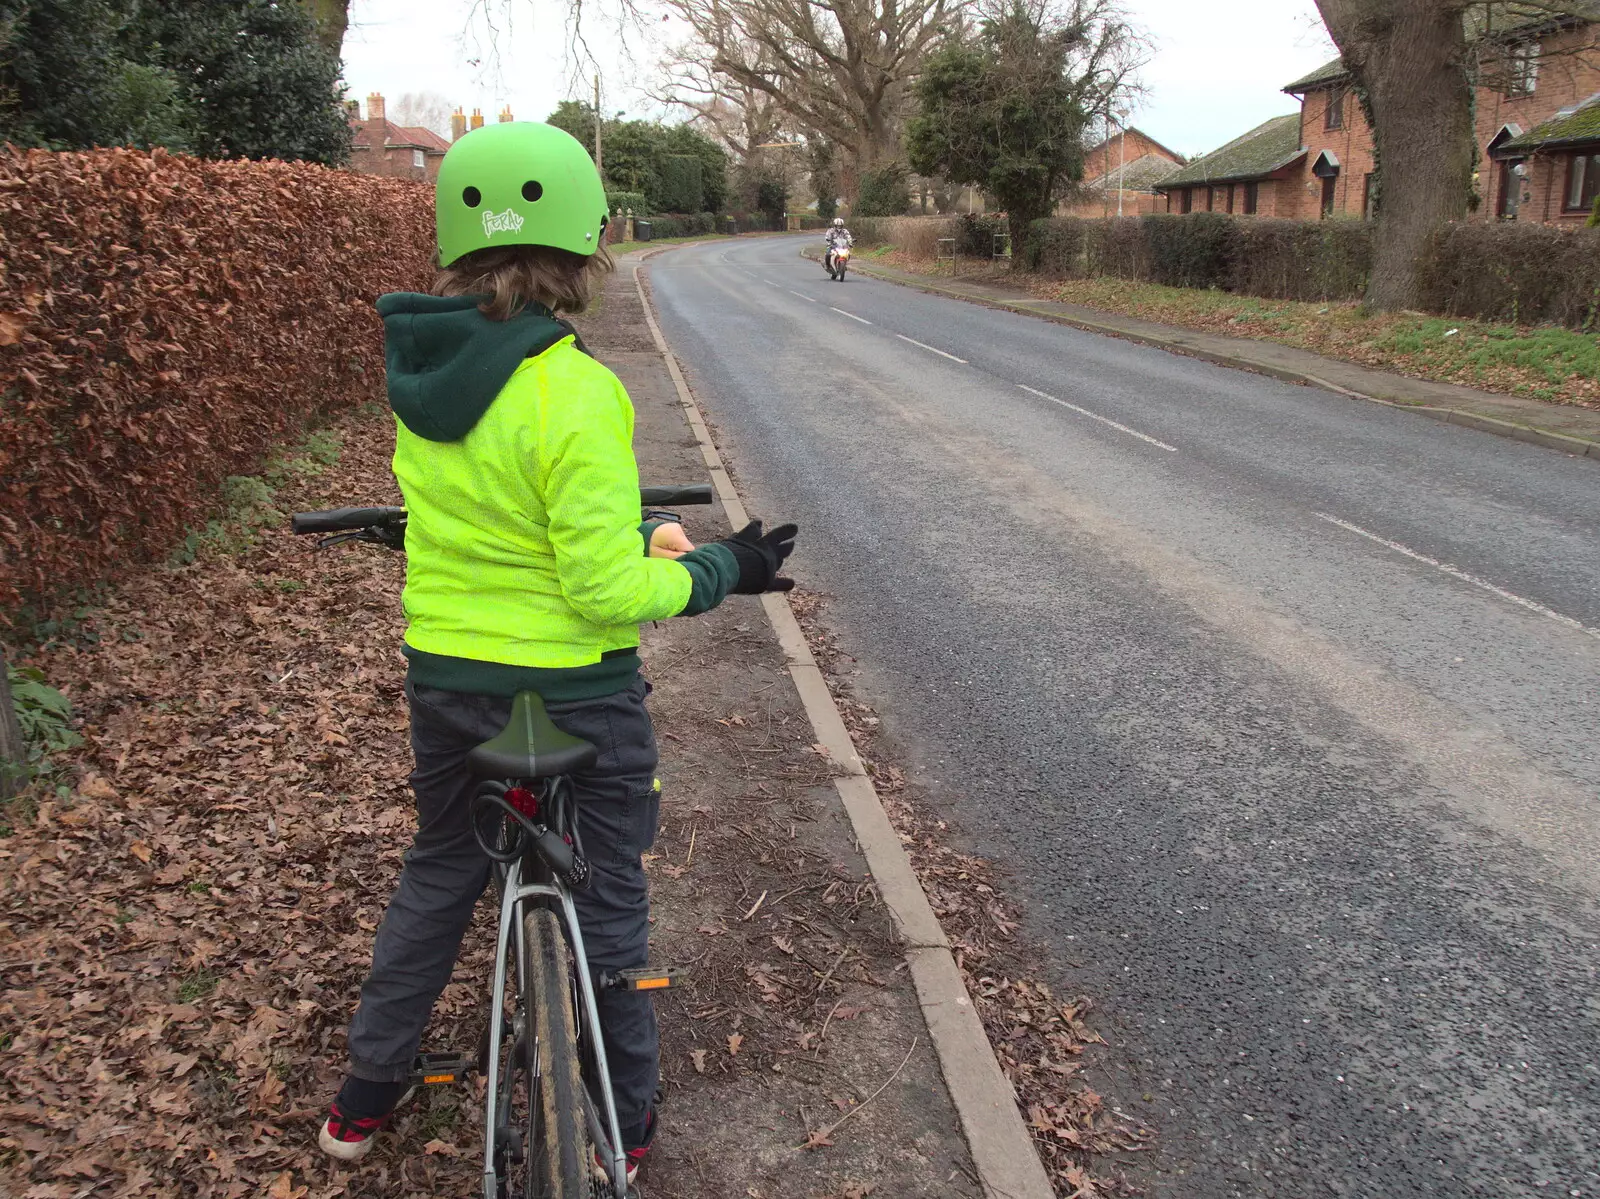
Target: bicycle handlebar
(656, 497)
(337, 520)
(344, 520)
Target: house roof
(1497, 21)
(1323, 76)
(423, 136)
(407, 137)
(1100, 146)
(1577, 124)
(1505, 20)
(1140, 175)
(1268, 147)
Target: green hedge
(682, 184)
(1511, 271)
(697, 224)
(1501, 271)
(627, 201)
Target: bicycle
(548, 1108)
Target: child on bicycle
(527, 570)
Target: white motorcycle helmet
(838, 222)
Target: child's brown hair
(512, 277)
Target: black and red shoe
(349, 1138)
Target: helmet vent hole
(604, 221)
(471, 197)
(532, 190)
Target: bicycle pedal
(440, 1069)
(645, 978)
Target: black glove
(761, 557)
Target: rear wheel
(560, 1157)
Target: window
(1230, 197)
(1186, 200)
(1211, 199)
(1583, 181)
(1252, 198)
(1522, 75)
(1333, 115)
(418, 159)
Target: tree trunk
(13, 753)
(1411, 58)
(333, 17)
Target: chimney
(477, 118)
(505, 114)
(377, 135)
(458, 125)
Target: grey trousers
(617, 804)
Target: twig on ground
(755, 906)
(815, 1140)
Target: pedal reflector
(439, 1069)
(643, 979)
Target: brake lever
(390, 538)
(329, 542)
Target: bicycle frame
(514, 894)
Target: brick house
(380, 147)
(1256, 174)
(1120, 174)
(1534, 116)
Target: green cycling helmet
(518, 183)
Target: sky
(1215, 71)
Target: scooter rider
(834, 238)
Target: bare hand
(669, 541)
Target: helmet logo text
(509, 221)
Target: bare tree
(427, 109)
(734, 114)
(1416, 62)
(838, 69)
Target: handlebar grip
(669, 497)
(336, 520)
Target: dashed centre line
(851, 315)
(1455, 572)
(1104, 420)
(930, 349)
(802, 295)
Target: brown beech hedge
(165, 323)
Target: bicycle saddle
(530, 746)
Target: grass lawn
(1545, 362)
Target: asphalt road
(1280, 709)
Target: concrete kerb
(1002, 1150)
(1576, 446)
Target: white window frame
(1523, 75)
(419, 159)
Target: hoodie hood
(447, 362)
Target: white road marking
(770, 283)
(1455, 572)
(851, 315)
(802, 295)
(930, 349)
(1104, 420)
